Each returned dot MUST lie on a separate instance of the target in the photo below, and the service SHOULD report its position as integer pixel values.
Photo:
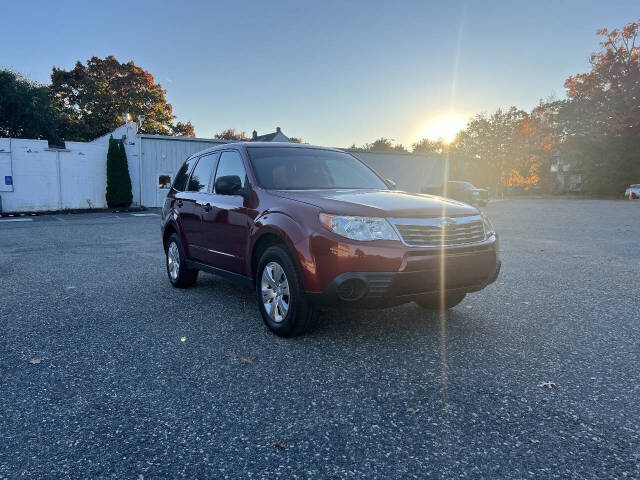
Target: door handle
(207, 207)
(180, 203)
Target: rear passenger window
(231, 164)
(199, 181)
(180, 183)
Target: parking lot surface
(108, 372)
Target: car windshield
(285, 168)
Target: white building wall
(50, 179)
(161, 155)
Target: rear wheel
(280, 295)
(435, 302)
(179, 275)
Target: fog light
(352, 290)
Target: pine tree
(127, 195)
(118, 179)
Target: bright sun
(445, 128)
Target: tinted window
(180, 182)
(310, 168)
(231, 164)
(199, 181)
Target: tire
(280, 295)
(179, 275)
(434, 302)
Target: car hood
(379, 203)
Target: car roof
(261, 145)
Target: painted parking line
(144, 214)
(16, 219)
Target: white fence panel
(83, 177)
(45, 179)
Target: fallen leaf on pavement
(547, 385)
(35, 361)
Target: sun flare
(445, 128)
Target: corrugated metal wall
(163, 156)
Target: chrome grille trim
(429, 233)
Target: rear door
(199, 191)
(183, 201)
(225, 224)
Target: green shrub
(119, 193)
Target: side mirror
(392, 185)
(229, 185)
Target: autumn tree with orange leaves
(601, 119)
(94, 97)
(596, 129)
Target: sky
(332, 72)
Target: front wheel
(435, 302)
(280, 295)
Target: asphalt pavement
(106, 371)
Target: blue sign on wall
(8, 180)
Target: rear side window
(201, 176)
(231, 164)
(180, 183)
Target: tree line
(595, 130)
(85, 102)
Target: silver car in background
(633, 191)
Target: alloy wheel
(275, 291)
(173, 261)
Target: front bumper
(419, 272)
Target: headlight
(359, 228)
(489, 229)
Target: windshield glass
(285, 168)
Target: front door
(225, 223)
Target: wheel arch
(169, 229)
(265, 240)
(280, 231)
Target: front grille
(434, 232)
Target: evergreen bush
(119, 194)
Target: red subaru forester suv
(306, 225)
